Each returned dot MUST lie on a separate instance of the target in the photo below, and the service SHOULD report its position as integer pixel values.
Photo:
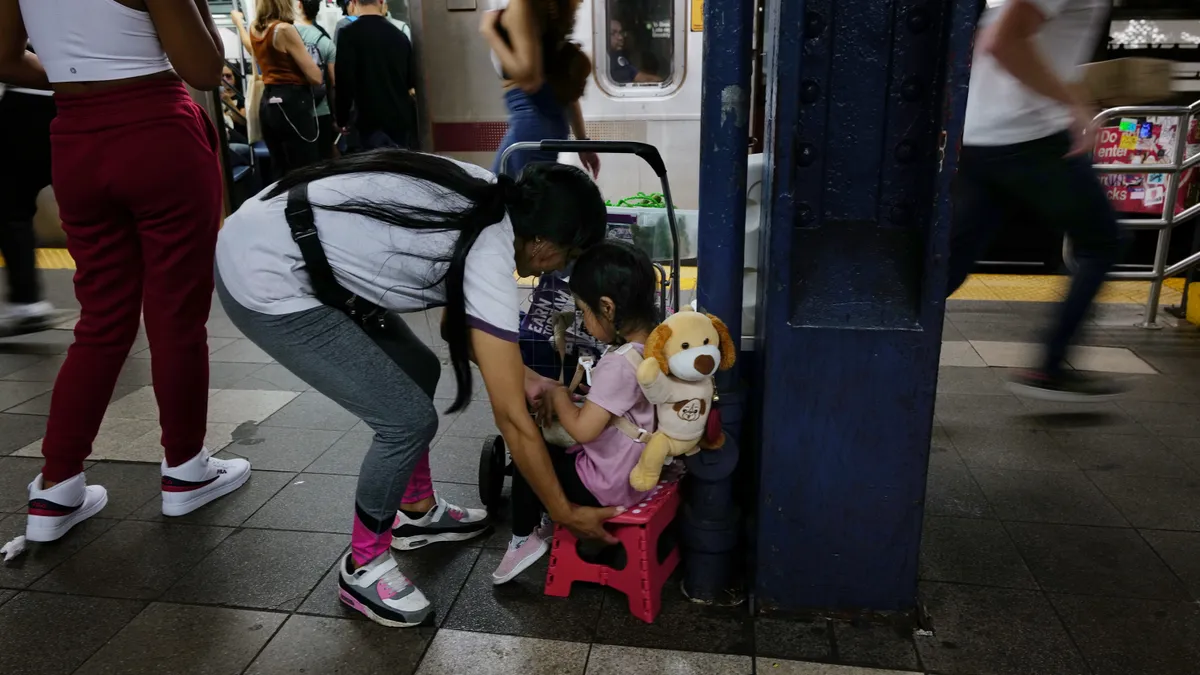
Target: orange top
(277, 67)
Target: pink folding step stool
(644, 575)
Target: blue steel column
(865, 110)
(710, 519)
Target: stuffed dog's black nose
(704, 364)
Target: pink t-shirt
(605, 463)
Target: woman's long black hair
(553, 202)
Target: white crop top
(93, 40)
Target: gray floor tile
(454, 652)
(136, 373)
(134, 559)
(13, 394)
(192, 640)
(242, 351)
(474, 422)
(951, 490)
(439, 571)
(15, 475)
(312, 410)
(979, 411)
(345, 456)
(785, 667)
(37, 368)
(6, 595)
(1187, 449)
(1165, 419)
(130, 486)
(520, 607)
(18, 431)
(1013, 448)
(272, 377)
(796, 639)
(950, 333)
(455, 459)
(278, 448)
(1181, 552)
(1158, 388)
(41, 404)
(1133, 637)
(999, 331)
(223, 375)
(231, 510)
(681, 624)
(959, 355)
(15, 363)
(1154, 502)
(51, 634)
(318, 644)
(972, 551)
(1047, 497)
(876, 645)
(40, 558)
(1094, 561)
(609, 660)
(221, 326)
(1141, 455)
(957, 380)
(994, 630)
(1099, 418)
(314, 502)
(261, 569)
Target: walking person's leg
(176, 202)
(1066, 195)
(25, 133)
(323, 347)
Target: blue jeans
(1063, 193)
(531, 117)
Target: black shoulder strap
(303, 224)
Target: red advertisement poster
(1146, 141)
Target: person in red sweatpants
(136, 172)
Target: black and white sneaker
(1068, 386)
(444, 522)
(381, 592)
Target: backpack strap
(622, 424)
(303, 224)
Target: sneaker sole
(1058, 396)
(34, 531)
(353, 603)
(522, 566)
(183, 508)
(421, 541)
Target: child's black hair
(622, 273)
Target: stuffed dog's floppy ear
(656, 346)
(728, 350)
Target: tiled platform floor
(1059, 540)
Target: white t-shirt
(263, 269)
(1002, 111)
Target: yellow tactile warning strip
(1004, 287)
(1036, 288)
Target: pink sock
(420, 485)
(366, 545)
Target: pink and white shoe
(381, 592)
(199, 481)
(520, 555)
(54, 511)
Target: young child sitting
(614, 287)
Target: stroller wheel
(492, 460)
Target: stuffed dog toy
(682, 355)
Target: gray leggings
(387, 380)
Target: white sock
(516, 542)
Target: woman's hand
(1083, 129)
(238, 17)
(536, 387)
(591, 162)
(487, 22)
(586, 522)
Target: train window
(639, 46)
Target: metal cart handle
(647, 152)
